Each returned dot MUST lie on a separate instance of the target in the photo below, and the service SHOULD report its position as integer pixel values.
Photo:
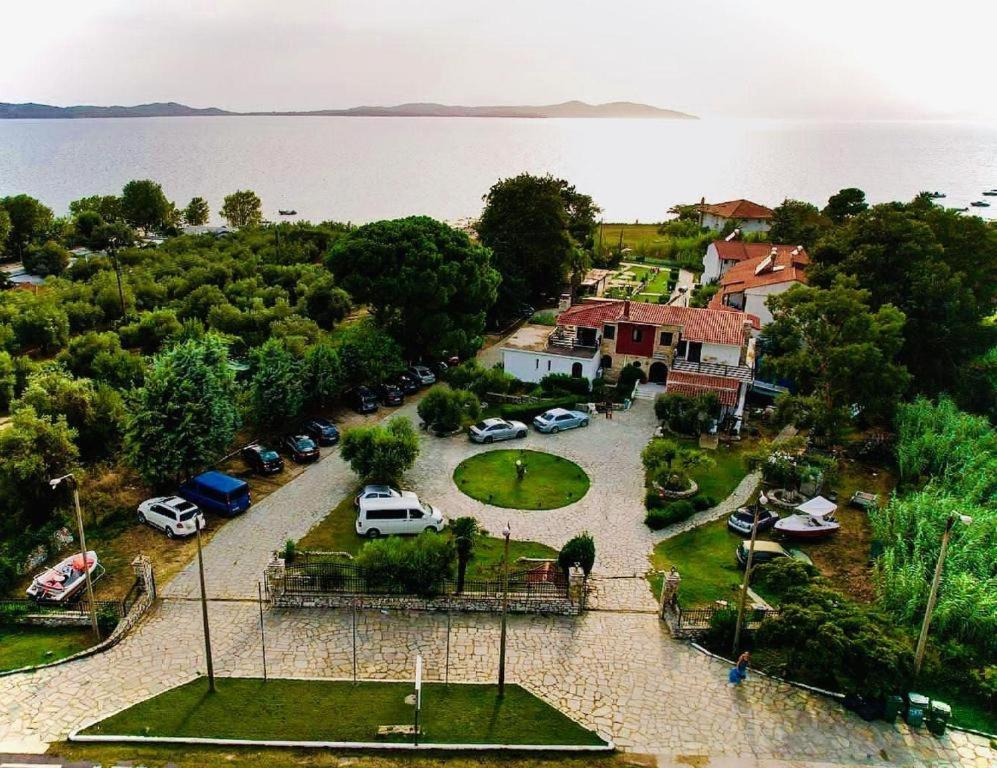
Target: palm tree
(464, 531)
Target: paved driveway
(615, 670)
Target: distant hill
(569, 109)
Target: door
(695, 351)
(576, 370)
(658, 373)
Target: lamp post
(204, 614)
(112, 249)
(922, 640)
(762, 499)
(506, 532)
(71, 480)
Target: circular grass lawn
(550, 481)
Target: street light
(762, 499)
(71, 480)
(506, 532)
(922, 640)
(204, 612)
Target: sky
(851, 59)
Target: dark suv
(322, 431)
(302, 448)
(389, 394)
(407, 384)
(362, 399)
(263, 460)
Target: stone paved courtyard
(614, 669)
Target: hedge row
(526, 411)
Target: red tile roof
(709, 325)
(788, 266)
(737, 209)
(690, 384)
(737, 250)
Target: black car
(407, 384)
(389, 394)
(301, 448)
(362, 399)
(740, 522)
(263, 460)
(322, 431)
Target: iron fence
(314, 575)
(18, 611)
(700, 619)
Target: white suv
(405, 514)
(175, 516)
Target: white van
(406, 514)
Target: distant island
(569, 109)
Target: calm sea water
(361, 169)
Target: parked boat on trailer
(63, 582)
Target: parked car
(322, 431)
(490, 430)
(263, 460)
(380, 492)
(766, 552)
(362, 399)
(558, 419)
(217, 492)
(405, 514)
(407, 384)
(422, 374)
(740, 522)
(172, 515)
(389, 394)
(302, 448)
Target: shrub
(48, 259)
(381, 454)
(629, 376)
(8, 575)
(668, 514)
(654, 500)
(780, 575)
(562, 382)
(686, 415)
(581, 550)
(416, 566)
(290, 549)
(447, 409)
(702, 501)
(720, 635)
(526, 411)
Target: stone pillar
(142, 568)
(576, 586)
(669, 592)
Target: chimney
(626, 307)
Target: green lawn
(729, 469)
(550, 481)
(704, 557)
(336, 533)
(29, 646)
(309, 710)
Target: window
(609, 332)
(415, 514)
(638, 334)
(386, 514)
(666, 338)
(548, 365)
(538, 363)
(606, 362)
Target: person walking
(740, 672)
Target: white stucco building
(749, 216)
(748, 284)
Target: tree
(151, 330)
(446, 409)
(112, 234)
(326, 303)
(465, 532)
(369, 355)
(844, 204)
(668, 464)
(324, 377)
(144, 206)
(108, 207)
(34, 450)
(84, 225)
(99, 356)
(8, 380)
(381, 454)
(30, 222)
(277, 393)
(196, 213)
(242, 209)
(426, 283)
(578, 550)
(184, 416)
(532, 225)
(838, 351)
(418, 565)
(5, 227)
(44, 260)
(797, 223)
(937, 267)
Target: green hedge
(675, 512)
(526, 411)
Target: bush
(381, 454)
(654, 500)
(702, 501)
(8, 575)
(720, 636)
(562, 382)
(686, 415)
(48, 259)
(581, 550)
(668, 514)
(629, 376)
(526, 411)
(416, 566)
(780, 575)
(447, 409)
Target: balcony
(565, 339)
(739, 372)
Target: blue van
(217, 492)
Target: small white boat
(63, 582)
(806, 526)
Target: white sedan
(558, 419)
(173, 515)
(490, 430)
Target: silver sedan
(558, 419)
(490, 430)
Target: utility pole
(922, 640)
(112, 249)
(204, 615)
(506, 532)
(747, 575)
(71, 480)
(263, 639)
